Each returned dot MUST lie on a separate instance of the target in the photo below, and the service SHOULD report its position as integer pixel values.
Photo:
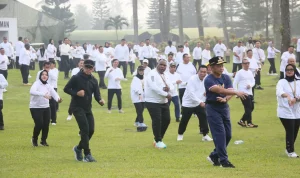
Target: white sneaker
(142, 125)
(53, 124)
(179, 137)
(274, 74)
(160, 145)
(292, 154)
(4, 90)
(121, 111)
(69, 117)
(108, 111)
(180, 115)
(29, 76)
(206, 138)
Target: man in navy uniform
(219, 90)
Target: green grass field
(122, 152)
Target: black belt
(214, 102)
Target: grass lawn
(122, 152)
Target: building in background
(28, 22)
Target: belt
(214, 102)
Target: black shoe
(250, 125)
(214, 160)
(78, 154)
(1, 127)
(259, 88)
(44, 143)
(227, 165)
(34, 142)
(89, 158)
(242, 123)
(177, 120)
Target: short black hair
(52, 62)
(170, 54)
(20, 38)
(65, 39)
(185, 54)
(248, 50)
(86, 56)
(114, 60)
(80, 61)
(100, 46)
(202, 66)
(46, 63)
(291, 46)
(123, 39)
(147, 39)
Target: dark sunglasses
(289, 70)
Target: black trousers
(11, 63)
(281, 75)
(141, 61)
(160, 116)
(53, 109)
(152, 62)
(124, 65)
(75, 63)
(32, 65)
(41, 118)
(197, 61)
(4, 73)
(111, 93)
(41, 65)
(236, 67)
(65, 65)
(257, 78)
(291, 127)
(272, 66)
(131, 66)
(139, 108)
(17, 63)
(1, 114)
(248, 107)
(86, 124)
(186, 115)
(181, 93)
(101, 77)
(24, 72)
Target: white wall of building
(9, 29)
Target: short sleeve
(209, 83)
(227, 82)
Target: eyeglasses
(289, 70)
(246, 62)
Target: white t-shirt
(240, 52)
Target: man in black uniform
(81, 87)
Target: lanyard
(294, 91)
(164, 80)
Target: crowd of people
(199, 88)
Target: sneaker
(27, 84)
(109, 111)
(227, 165)
(207, 138)
(250, 125)
(1, 127)
(179, 137)
(79, 134)
(242, 123)
(142, 125)
(69, 117)
(275, 74)
(259, 87)
(78, 154)
(44, 143)
(4, 90)
(34, 142)
(29, 76)
(269, 74)
(160, 145)
(53, 123)
(89, 158)
(121, 111)
(136, 124)
(214, 160)
(292, 154)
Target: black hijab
(296, 73)
(42, 51)
(40, 77)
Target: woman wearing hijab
(40, 94)
(271, 58)
(41, 54)
(288, 109)
(137, 97)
